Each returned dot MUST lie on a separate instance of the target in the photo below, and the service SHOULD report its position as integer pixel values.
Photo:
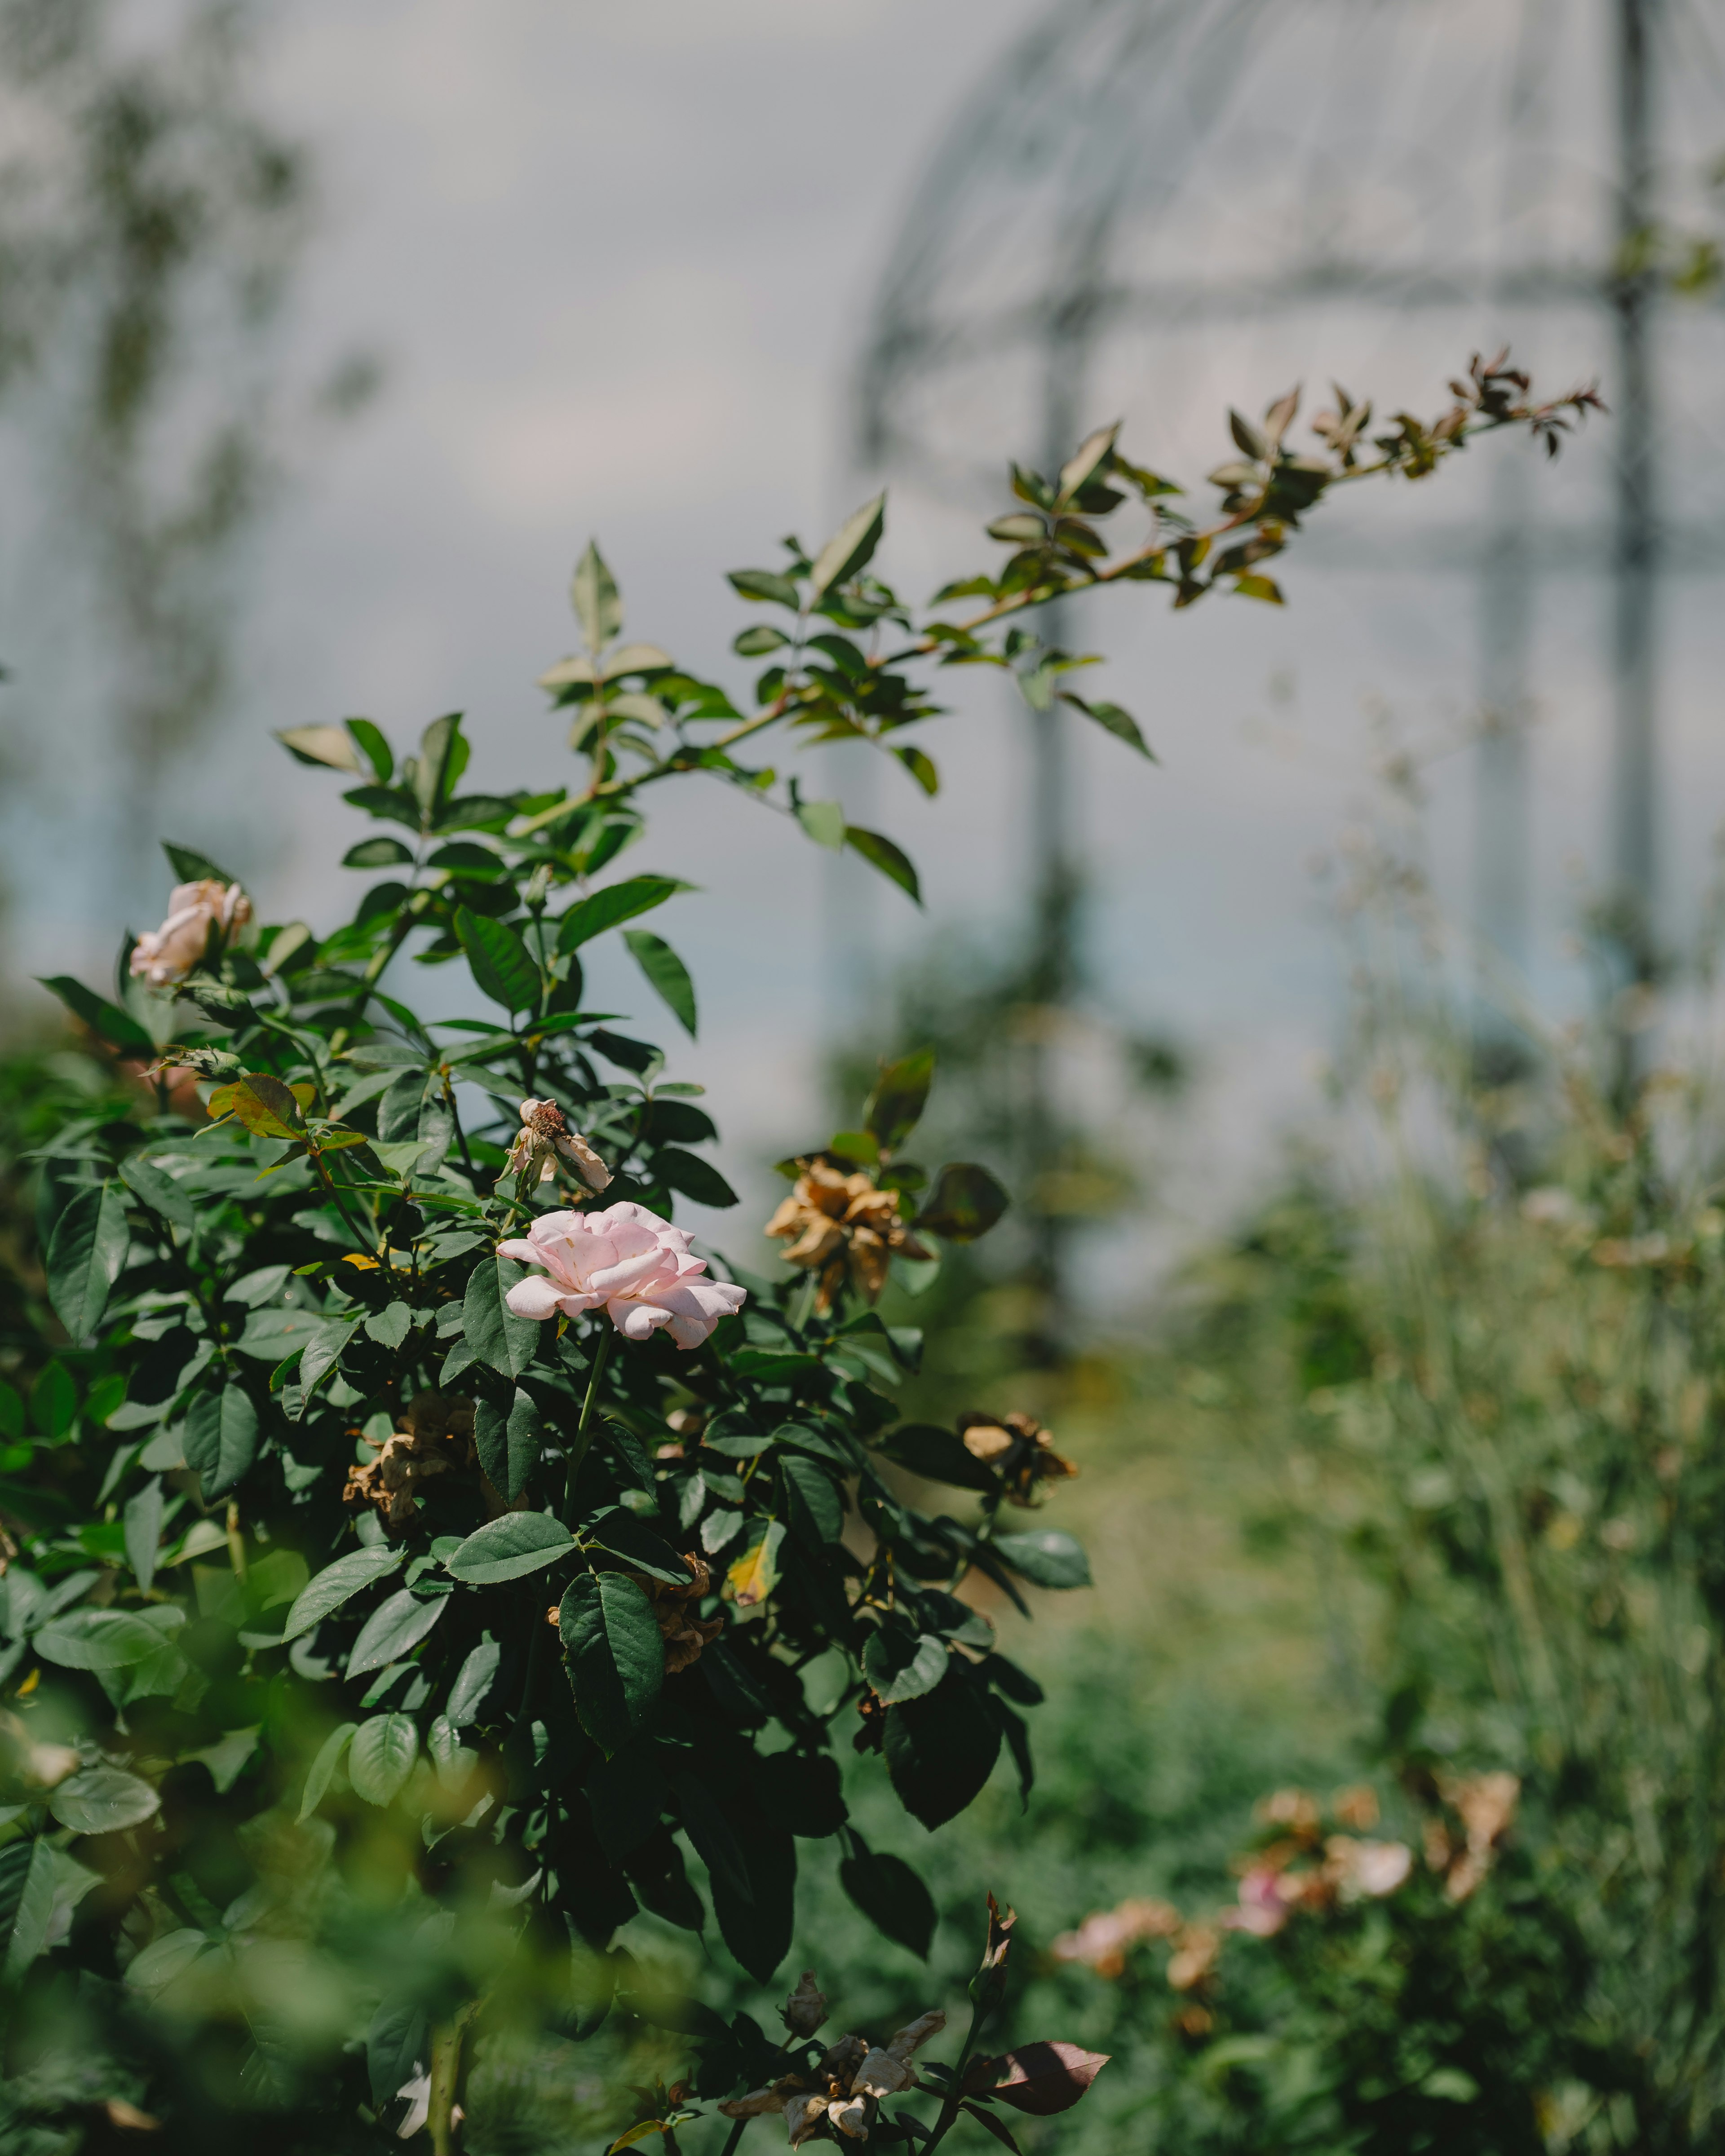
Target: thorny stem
(445, 2072)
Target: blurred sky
(618, 262)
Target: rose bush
(300, 1456)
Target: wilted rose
(627, 1261)
(433, 1436)
(836, 1223)
(165, 955)
(684, 1634)
(545, 1143)
(1019, 1446)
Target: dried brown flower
(545, 1143)
(1019, 1446)
(435, 1435)
(806, 2009)
(837, 1223)
(844, 2087)
(684, 1634)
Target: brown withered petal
(755, 2105)
(985, 1440)
(803, 2114)
(914, 2035)
(881, 2074)
(840, 2060)
(853, 2118)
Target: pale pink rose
(627, 1261)
(165, 955)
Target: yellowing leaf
(267, 1107)
(755, 1574)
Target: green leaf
(396, 2045)
(615, 1656)
(332, 746)
(765, 585)
(903, 1665)
(508, 1445)
(221, 1438)
(190, 866)
(1119, 723)
(390, 1325)
(54, 1400)
(616, 903)
(892, 1897)
(666, 973)
(756, 643)
(823, 821)
(965, 1202)
(474, 1681)
(374, 748)
(336, 1583)
(895, 1107)
(921, 767)
(850, 547)
(321, 1771)
(696, 1178)
(164, 1959)
(817, 1510)
(501, 964)
(118, 1028)
(381, 1757)
(435, 773)
(103, 1800)
(143, 1531)
(938, 1455)
(507, 1547)
(1047, 1556)
(941, 1749)
(377, 854)
(1089, 458)
(323, 1350)
(159, 1192)
(96, 1639)
(495, 1335)
(1259, 588)
(620, 1534)
(593, 594)
(393, 1629)
(84, 1255)
(883, 854)
(27, 1880)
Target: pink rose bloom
(165, 955)
(629, 1262)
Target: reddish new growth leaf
(1042, 2078)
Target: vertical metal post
(1503, 806)
(1635, 773)
(1055, 881)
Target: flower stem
(577, 1448)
